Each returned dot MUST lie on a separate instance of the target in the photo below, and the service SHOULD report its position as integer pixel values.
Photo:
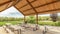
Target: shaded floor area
(51, 30)
(2, 31)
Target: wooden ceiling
(32, 7)
(5, 4)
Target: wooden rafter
(7, 6)
(15, 2)
(42, 5)
(32, 7)
(5, 3)
(50, 10)
(34, 10)
(19, 10)
(18, 1)
(47, 4)
(44, 11)
(8, 2)
(27, 4)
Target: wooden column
(34, 10)
(24, 19)
(37, 22)
(37, 18)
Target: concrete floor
(2, 31)
(53, 30)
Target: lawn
(47, 23)
(12, 22)
(50, 23)
(40, 23)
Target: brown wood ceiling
(32, 7)
(5, 4)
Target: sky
(13, 12)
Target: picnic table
(16, 29)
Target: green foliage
(58, 24)
(31, 19)
(4, 20)
(43, 20)
(12, 22)
(2, 23)
(54, 17)
(10, 19)
(48, 23)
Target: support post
(37, 22)
(37, 18)
(24, 19)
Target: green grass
(12, 22)
(2, 23)
(49, 23)
(40, 23)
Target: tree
(54, 17)
(31, 19)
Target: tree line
(10, 19)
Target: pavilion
(32, 7)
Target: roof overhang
(32, 7)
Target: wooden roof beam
(49, 10)
(47, 4)
(32, 7)
(6, 2)
(27, 4)
(6, 5)
(16, 1)
(43, 11)
(43, 5)
(19, 10)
